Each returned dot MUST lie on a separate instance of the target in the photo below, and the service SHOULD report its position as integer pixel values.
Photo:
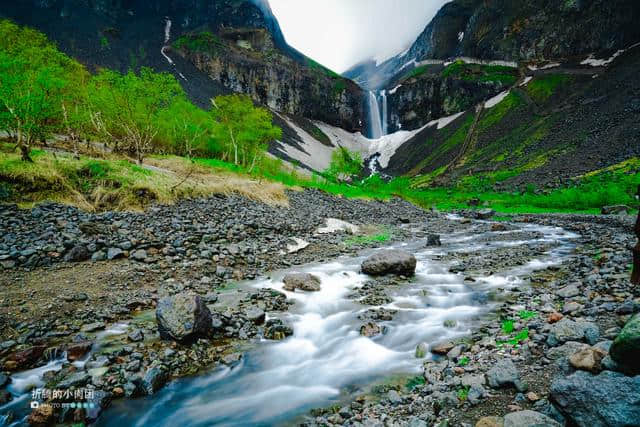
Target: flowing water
(375, 121)
(277, 381)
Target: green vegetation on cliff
(481, 73)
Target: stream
(277, 381)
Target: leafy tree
(128, 107)
(185, 128)
(35, 80)
(344, 164)
(243, 129)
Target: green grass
(415, 382)
(464, 361)
(525, 314)
(417, 72)
(541, 88)
(203, 42)
(367, 240)
(507, 326)
(463, 393)
(481, 73)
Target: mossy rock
(626, 347)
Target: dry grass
(115, 183)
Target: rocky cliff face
(417, 101)
(517, 30)
(248, 61)
(123, 34)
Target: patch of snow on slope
(544, 67)
(525, 81)
(316, 156)
(394, 90)
(592, 61)
(496, 99)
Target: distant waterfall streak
(375, 123)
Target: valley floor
(85, 285)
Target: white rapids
(277, 381)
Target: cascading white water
(278, 380)
(383, 96)
(375, 123)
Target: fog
(342, 33)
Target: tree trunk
(24, 149)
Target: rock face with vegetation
(434, 91)
(248, 61)
(237, 45)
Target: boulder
(443, 348)
(183, 317)
(76, 351)
(505, 374)
(588, 359)
(529, 419)
(392, 261)
(139, 255)
(421, 350)
(77, 253)
(24, 359)
(607, 399)
(614, 210)
(41, 416)
(625, 349)
(303, 281)
(569, 330)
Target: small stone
(529, 419)
(532, 397)
(490, 422)
(115, 253)
(555, 317)
(443, 348)
(370, 329)
(568, 291)
(421, 350)
(135, 336)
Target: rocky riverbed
(80, 292)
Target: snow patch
(593, 62)
(526, 81)
(496, 99)
(444, 121)
(333, 225)
(544, 67)
(394, 90)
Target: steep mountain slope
(252, 52)
(555, 124)
(515, 31)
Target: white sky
(341, 33)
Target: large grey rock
(569, 330)
(391, 261)
(625, 349)
(529, 419)
(183, 317)
(303, 281)
(608, 399)
(504, 374)
(154, 379)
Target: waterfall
(383, 95)
(375, 123)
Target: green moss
(367, 240)
(203, 42)
(481, 73)
(494, 115)
(541, 88)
